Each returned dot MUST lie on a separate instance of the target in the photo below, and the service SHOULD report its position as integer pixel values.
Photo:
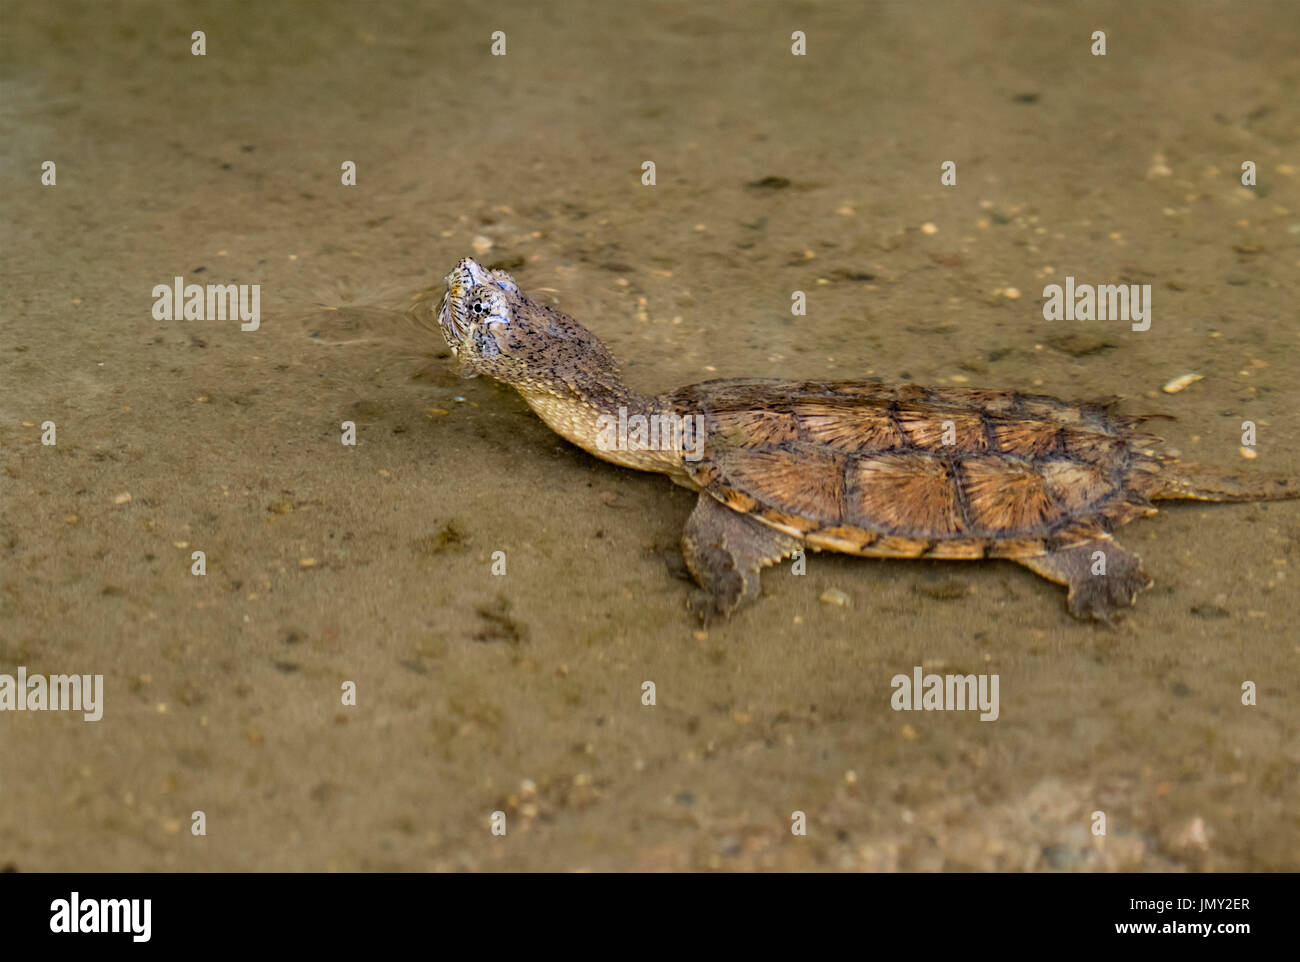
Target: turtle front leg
(1102, 577)
(725, 552)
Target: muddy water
(521, 693)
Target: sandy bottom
(372, 564)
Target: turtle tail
(1181, 480)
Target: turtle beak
(448, 316)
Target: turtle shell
(905, 471)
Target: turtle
(860, 467)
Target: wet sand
(372, 563)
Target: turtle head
(559, 367)
(473, 304)
(493, 328)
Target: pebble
(833, 596)
(1180, 383)
(1193, 835)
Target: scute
(936, 431)
(910, 492)
(805, 479)
(906, 471)
(1008, 494)
(1031, 439)
(847, 427)
(751, 427)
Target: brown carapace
(895, 471)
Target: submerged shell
(906, 471)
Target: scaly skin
(558, 366)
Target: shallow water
(522, 693)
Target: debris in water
(1179, 383)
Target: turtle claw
(704, 608)
(1103, 578)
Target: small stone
(122, 498)
(1193, 835)
(1180, 383)
(833, 596)
(481, 245)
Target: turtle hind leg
(725, 552)
(1103, 578)
(1179, 480)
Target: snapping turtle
(895, 471)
